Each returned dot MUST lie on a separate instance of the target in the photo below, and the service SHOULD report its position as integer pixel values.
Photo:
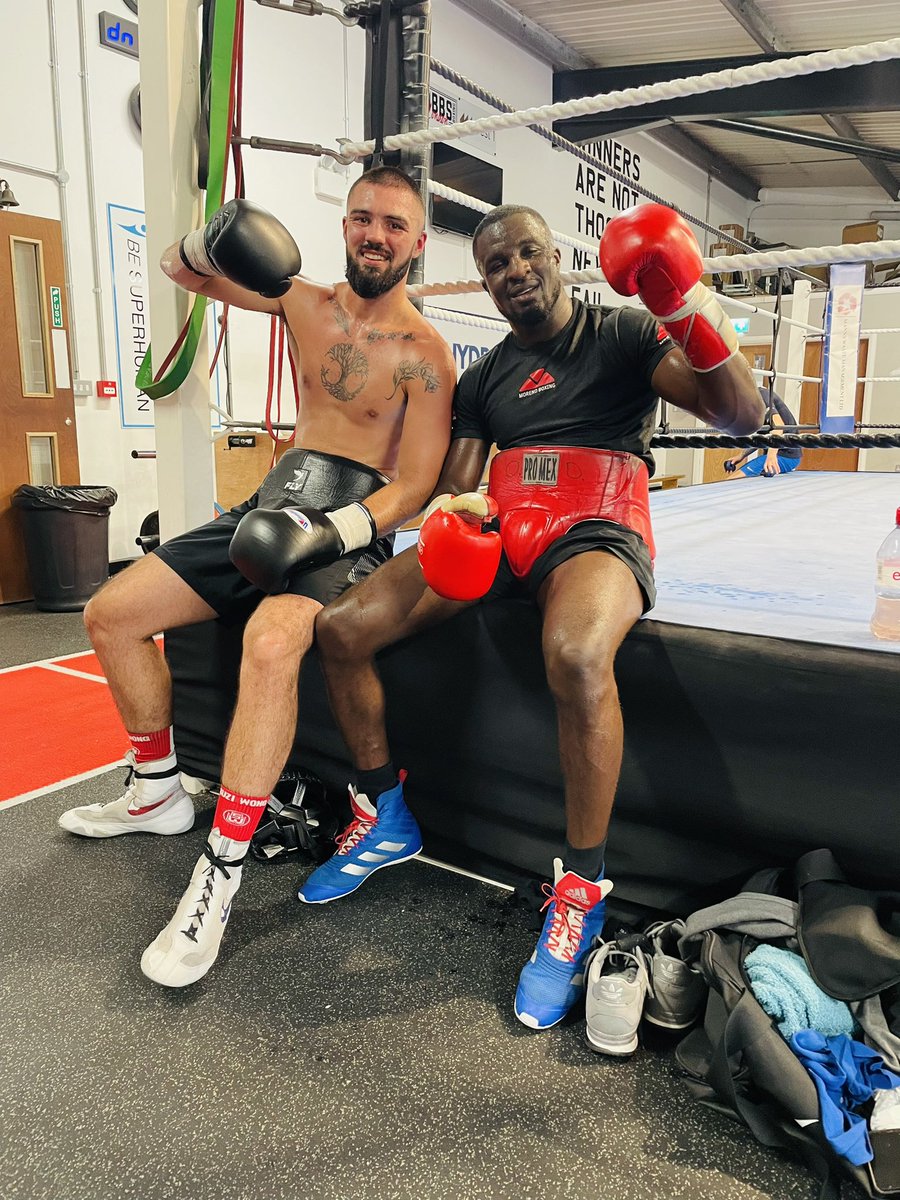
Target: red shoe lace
(353, 834)
(564, 935)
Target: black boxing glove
(245, 244)
(270, 545)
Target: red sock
(148, 747)
(237, 816)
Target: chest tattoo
(375, 335)
(407, 370)
(344, 371)
(341, 315)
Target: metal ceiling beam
(563, 57)
(757, 24)
(877, 170)
(767, 38)
(526, 33)
(688, 148)
(803, 137)
(848, 90)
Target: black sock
(588, 863)
(373, 783)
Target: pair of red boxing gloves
(650, 251)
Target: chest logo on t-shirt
(540, 468)
(538, 381)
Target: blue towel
(845, 1074)
(782, 984)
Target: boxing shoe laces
(153, 802)
(188, 946)
(380, 835)
(553, 978)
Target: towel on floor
(784, 988)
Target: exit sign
(56, 307)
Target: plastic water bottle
(886, 617)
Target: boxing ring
(761, 716)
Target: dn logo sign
(119, 34)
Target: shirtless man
(373, 427)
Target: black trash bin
(66, 531)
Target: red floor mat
(54, 726)
(82, 662)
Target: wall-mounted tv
(465, 173)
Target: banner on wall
(448, 107)
(128, 265)
(597, 199)
(843, 317)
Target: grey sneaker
(678, 992)
(617, 983)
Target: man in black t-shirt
(570, 398)
(773, 461)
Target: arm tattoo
(341, 315)
(407, 370)
(344, 359)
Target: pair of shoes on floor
(187, 947)
(625, 985)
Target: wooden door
(760, 358)
(37, 409)
(827, 460)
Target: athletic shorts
(615, 539)
(755, 466)
(301, 478)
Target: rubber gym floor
(359, 1051)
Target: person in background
(768, 462)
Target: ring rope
(773, 316)
(562, 143)
(692, 85)
(822, 255)
(821, 441)
(458, 318)
(448, 193)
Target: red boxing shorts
(542, 491)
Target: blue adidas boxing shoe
(375, 838)
(553, 978)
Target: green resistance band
(223, 50)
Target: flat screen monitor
(464, 173)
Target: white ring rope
(772, 316)
(458, 318)
(819, 255)
(785, 375)
(692, 85)
(447, 193)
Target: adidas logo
(580, 896)
(538, 381)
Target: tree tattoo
(406, 370)
(342, 362)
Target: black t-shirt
(588, 386)
(787, 416)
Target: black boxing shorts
(300, 478)
(556, 502)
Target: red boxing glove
(458, 557)
(651, 250)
